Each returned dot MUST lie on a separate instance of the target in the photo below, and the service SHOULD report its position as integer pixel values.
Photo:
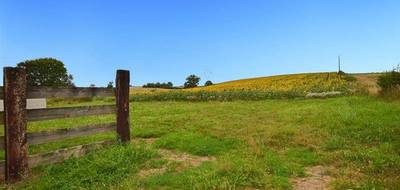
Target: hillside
(300, 83)
(308, 82)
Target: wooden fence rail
(66, 133)
(76, 92)
(67, 112)
(61, 154)
(15, 117)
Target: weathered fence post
(15, 121)
(122, 99)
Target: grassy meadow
(256, 133)
(265, 144)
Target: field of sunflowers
(280, 86)
(309, 82)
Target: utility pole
(339, 64)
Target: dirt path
(316, 179)
(186, 160)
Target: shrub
(389, 82)
(208, 83)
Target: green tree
(192, 81)
(208, 83)
(46, 72)
(110, 84)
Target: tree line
(51, 72)
(191, 82)
(166, 85)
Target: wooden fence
(15, 117)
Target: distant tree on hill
(208, 83)
(110, 84)
(167, 85)
(192, 81)
(92, 85)
(46, 72)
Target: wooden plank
(15, 122)
(77, 92)
(68, 112)
(61, 154)
(122, 98)
(60, 134)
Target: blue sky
(219, 40)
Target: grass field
(268, 144)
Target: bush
(389, 83)
(208, 83)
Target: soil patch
(316, 179)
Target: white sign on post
(31, 104)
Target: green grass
(259, 144)
(97, 170)
(194, 143)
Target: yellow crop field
(291, 83)
(299, 82)
(141, 90)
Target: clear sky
(220, 40)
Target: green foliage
(110, 84)
(208, 83)
(46, 72)
(389, 82)
(167, 85)
(192, 81)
